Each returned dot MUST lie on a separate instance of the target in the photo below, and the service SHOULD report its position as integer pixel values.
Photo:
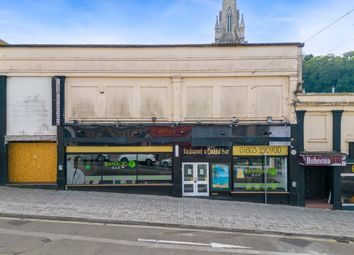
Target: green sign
(259, 171)
(120, 164)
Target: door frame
(195, 181)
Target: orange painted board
(32, 163)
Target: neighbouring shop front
(347, 181)
(323, 178)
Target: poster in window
(220, 177)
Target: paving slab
(175, 212)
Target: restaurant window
(260, 168)
(119, 168)
(154, 168)
(347, 185)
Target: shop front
(347, 186)
(323, 178)
(136, 167)
(245, 173)
(177, 160)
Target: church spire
(242, 30)
(229, 29)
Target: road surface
(37, 237)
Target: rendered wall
(32, 163)
(172, 83)
(187, 99)
(318, 131)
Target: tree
(322, 73)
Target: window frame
(117, 155)
(264, 180)
(347, 175)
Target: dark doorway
(317, 183)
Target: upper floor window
(229, 22)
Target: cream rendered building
(182, 83)
(169, 101)
(327, 124)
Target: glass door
(195, 179)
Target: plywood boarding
(32, 163)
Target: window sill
(260, 192)
(120, 185)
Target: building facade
(326, 154)
(183, 120)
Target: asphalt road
(37, 237)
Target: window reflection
(116, 169)
(254, 174)
(155, 168)
(348, 189)
(347, 184)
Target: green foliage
(321, 73)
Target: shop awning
(322, 159)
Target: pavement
(166, 211)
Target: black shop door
(317, 183)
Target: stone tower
(228, 28)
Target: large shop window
(260, 172)
(119, 168)
(347, 185)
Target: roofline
(147, 45)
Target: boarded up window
(29, 106)
(32, 163)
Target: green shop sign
(120, 164)
(259, 171)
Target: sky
(175, 22)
